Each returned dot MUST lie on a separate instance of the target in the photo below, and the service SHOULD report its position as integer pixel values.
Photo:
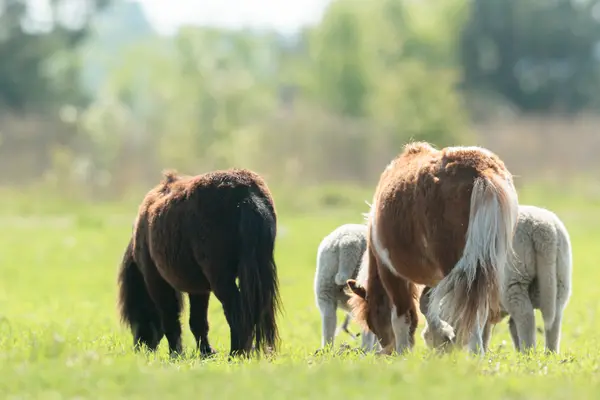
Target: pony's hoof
(238, 355)
(207, 353)
(176, 351)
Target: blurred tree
(36, 48)
(119, 26)
(412, 51)
(392, 61)
(540, 55)
(340, 67)
(204, 84)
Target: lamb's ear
(356, 288)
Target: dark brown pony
(197, 235)
(443, 219)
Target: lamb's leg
(487, 335)
(344, 327)
(553, 334)
(512, 328)
(328, 321)
(476, 342)
(522, 313)
(368, 341)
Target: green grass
(60, 336)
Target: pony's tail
(136, 308)
(472, 288)
(258, 281)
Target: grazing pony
(371, 305)
(197, 235)
(339, 257)
(442, 219)
(538, 277)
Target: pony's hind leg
(229, 296)
(168, 304)
(199, 322)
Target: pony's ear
(356, 288)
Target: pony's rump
(258, 282)
(472, 288)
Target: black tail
(258, 282)
(136, 308)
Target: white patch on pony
(382, 253)
(401, 328)
(367, 214)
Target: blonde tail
(472, 288)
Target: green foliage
(392, 61)
(356, 87)
(333, 103)
(37, 68)
(338, 48)
(540, 55)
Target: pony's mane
(359, 308)
(415, 147)
(169, 176)
(367, 214)
(357, 304)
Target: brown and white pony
(443, 219)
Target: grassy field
(60, 336)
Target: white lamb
(339, 257)
(538, 276)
